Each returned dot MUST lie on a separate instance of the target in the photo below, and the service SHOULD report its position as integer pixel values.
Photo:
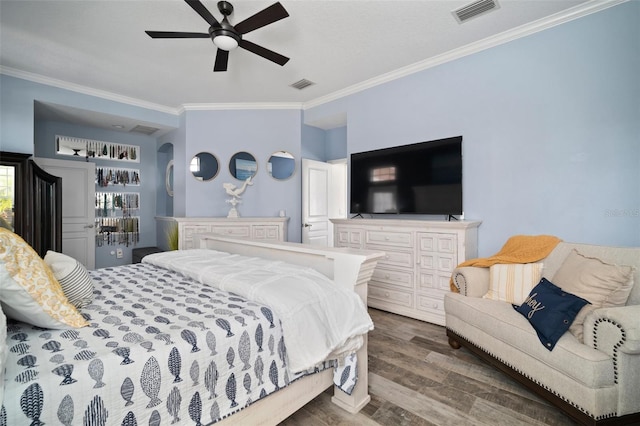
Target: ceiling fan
(227, 37)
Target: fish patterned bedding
(161, 349)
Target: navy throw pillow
(550, 310)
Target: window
(7, 182)
(383, 174)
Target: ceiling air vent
(145, 130)
(474, 9)
(301, 84)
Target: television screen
(420, 178)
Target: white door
(324, 196)
(78, 207)
(315, 202)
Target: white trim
(576, 12)
(37, 78)
(241, 106)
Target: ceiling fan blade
(267, 16)
(204, 12)
(222, 58)
(172, 34)
(264, 52)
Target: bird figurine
(234, 191)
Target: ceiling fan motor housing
(222, 32)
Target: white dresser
(259, 228)
(414, 275)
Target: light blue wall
(17, 98)
(45, 132)
(336, 147)
(313, 143)
(259, 132)
(551, 127)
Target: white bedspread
(320, 319)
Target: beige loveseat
(596, 381)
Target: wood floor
(416, 378)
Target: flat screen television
(420, 178)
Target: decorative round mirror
(281, 165)
(243, 165)
(204, 166)
(168, 178)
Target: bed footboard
(347, 267)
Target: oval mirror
(281, 165)
(243, 165)
(168, 178)
(204, 166)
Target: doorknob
(306, 225)
(88, 226)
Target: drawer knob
(386, 294)
(386, 238)
(386, 257)
(387, 276)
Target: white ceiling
(101, 46)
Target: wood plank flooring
(416, 378)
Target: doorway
(78, 214)
(324, 197)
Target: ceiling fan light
(225, 42)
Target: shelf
(117, 176)
(89, 148)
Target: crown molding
(475, 47)
(240, 106)
(576, 12)
(37, 78)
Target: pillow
(28, 290)
(76, 283)
(512, 282)
(602, 284)
(550, 310)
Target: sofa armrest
(614, 329)
(471, 281)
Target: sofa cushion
(512, 282)
(550, 310)
(588, 366)
(602, 284)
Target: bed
(167, 342)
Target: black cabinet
(37, 205)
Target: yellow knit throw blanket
(517, 249)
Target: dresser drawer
(389, 238)
(431, 280)
(346, 238)
(387, 296)
(394, 257)
(266, 232)
(190, 230)
(437, 242)
(392, 277)
(231, 231)
(433, 305)
(441, 262)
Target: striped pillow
(74, 278)
(512, 283)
